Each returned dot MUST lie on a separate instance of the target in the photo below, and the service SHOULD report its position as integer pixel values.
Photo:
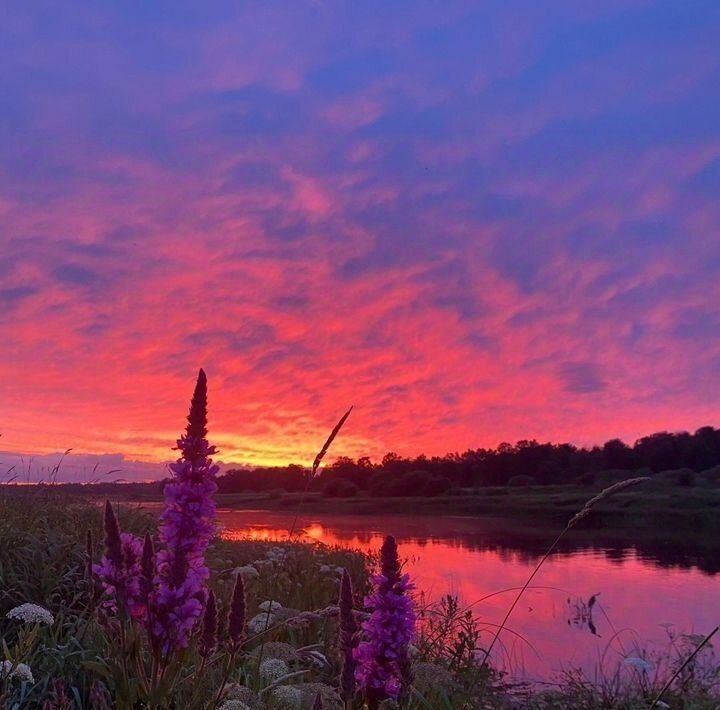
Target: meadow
(110, 606)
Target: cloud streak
(474, 225)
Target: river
(640, 603)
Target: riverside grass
(158, 643)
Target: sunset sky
(476, 222)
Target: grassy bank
(661, 505)
(43, 561)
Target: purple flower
(186, 527)
(119, 570)
(383, 663)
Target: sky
(474, 221)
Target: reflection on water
(584, 604)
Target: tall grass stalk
(313, 472)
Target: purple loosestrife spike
(186, 527)
(383, 661)
(236, 618)
(348, 638)
(389, 560)
(208, 638)
(197, 418)
(119, 569)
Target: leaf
(97, 667)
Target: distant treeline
(524, 463)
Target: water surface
(639, 600)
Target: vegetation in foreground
(43, 561)
(171, 617)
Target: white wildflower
(286, 697)
(234, 705)
(261, 622)
(31, 614)
(269, 605)
(275, 649)
(21, 671)
(277, 554)
(237, 693)
(247, 572)
(272, 669)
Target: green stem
(226, 674)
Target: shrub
(685, 477)
(414, 483)
(587, 479)
(340, 488)
(711, 475)
(437, 486)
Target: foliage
(340, 488)
(547, 463)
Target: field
(73, 662)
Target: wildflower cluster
(383, 662)
(31, 614)
(165, 593)
(18, 671)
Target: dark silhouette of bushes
(340, 488)
(545, 463)
(413, 483)
(686, 477)
(587, 479)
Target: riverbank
(671, 524)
